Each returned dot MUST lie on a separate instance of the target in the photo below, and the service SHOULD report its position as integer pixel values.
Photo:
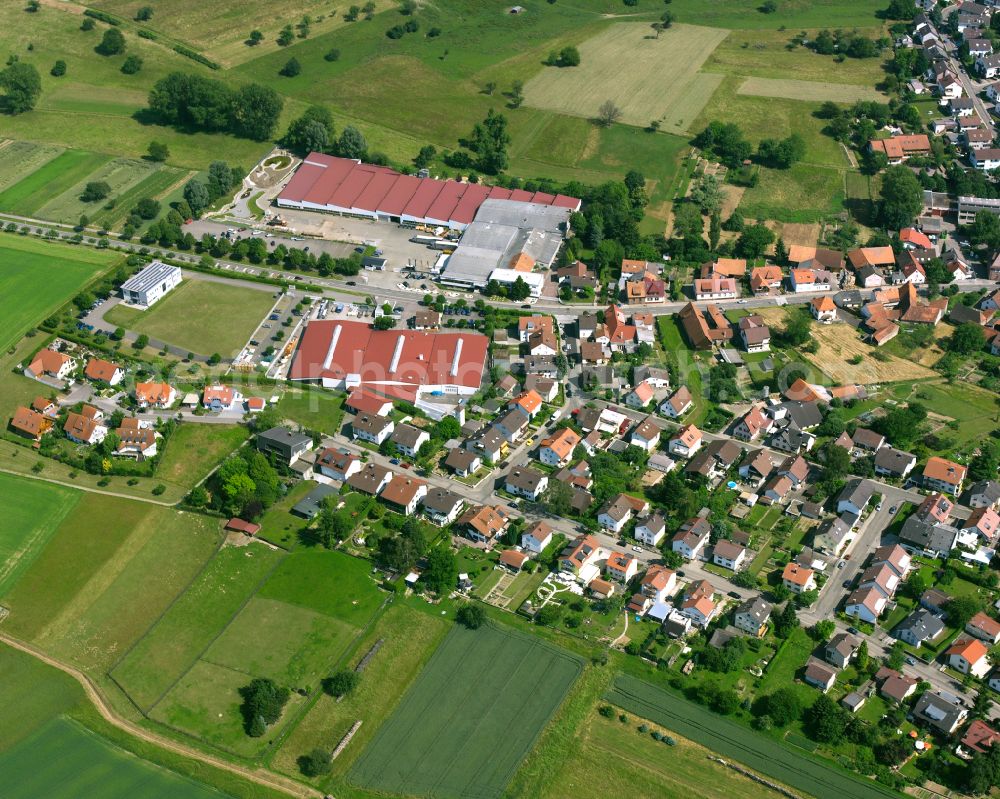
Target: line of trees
(194, 102)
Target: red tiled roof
(325, 180)
(425, 358)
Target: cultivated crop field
(66, 759)
(200, 315)
(808, 90)
(32, 512)
(661, 80)
(29, 263)
(479, 705)
(730, 740)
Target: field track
(808, 90)
(259, 776)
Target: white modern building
(151, 284)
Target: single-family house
(484, 523)
(442, 506)
(729, 555)
(536, 538)
(101, 371)
(798, 579)
(408, 439)
(372, 428)
(943, 475)
(686, 442)
(752, 616)
(840, 649)
(969, 656)
(691, 538)
(527, 482)
(337, 464)
(85, 427)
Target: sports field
(478, 705)
(201, 316)
(66, 759)
(32, 512)
(646, 77)
(728, 739)
(808, 90)
(29, 264)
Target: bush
(341, 683)
(291, 68)
(607, 711)
(159, 489)
(332, 55)
(58, 69)
(94, 191)
(113, 42)
(132, 65)
(315, 763)
(471, 616)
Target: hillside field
(679, 52)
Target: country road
(260, 776)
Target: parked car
(394, 461)
(853, 631)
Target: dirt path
(259, 776)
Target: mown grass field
(93, 106)
(479, 704)
(21, 158)
(290, 643)
(32, 512)
(28, 195)
(200, 316)
(612, 758)
(637, 90)
(408, 638)
(808, 90)
(194, 450)
(30, 263)
(317, 410)
(728, 739)
(168, 649)
(120, 174)
(109, 570)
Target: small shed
(238, 525)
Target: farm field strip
(120, 174)
(808, 90)
(66, 269)
(32, 514)
(152, 185)
(20, 158)
(679, 52)
(765, 755)
(30, 193)
(64, 759)
(615, 759)
(173, 644)
(475, 721)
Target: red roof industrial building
(345, 186)
(398, 363)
